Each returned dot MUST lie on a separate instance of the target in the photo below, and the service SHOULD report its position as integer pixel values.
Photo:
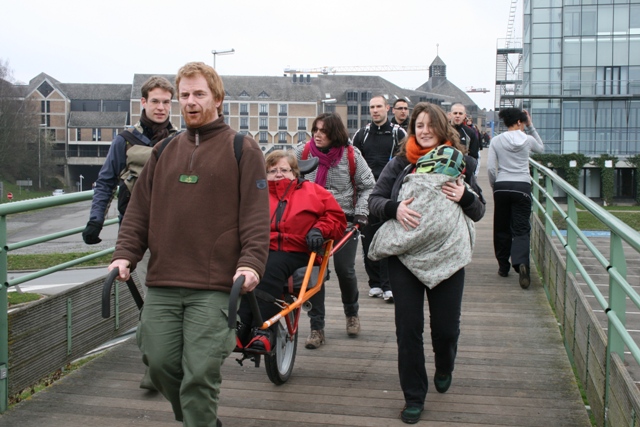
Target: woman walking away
(508, 168)
(456, 200)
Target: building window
(302, 124)
(264, 109)
(97, 134)
(352, 110)
(226, 119)
(282, 109)
(263, 137)
(364, 110)
(244, 109)
(611, 80)
(263, 123)
(263, 94)
(244, 94)
(244, 122)
(282, 123)
(365, 96)
(78, 134)
(302, 136)
(114, 133)
(352, 123)
(225, 108)
(330, 108)
(282, 137)
(363, 123)
(352, 96)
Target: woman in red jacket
(302, 215)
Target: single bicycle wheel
(279, 364)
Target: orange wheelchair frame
(280, 359)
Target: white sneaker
(375, 293)
(387, 296)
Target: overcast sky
(79, 41)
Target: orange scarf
(415, 151)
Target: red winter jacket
(298, 206)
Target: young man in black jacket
(468, 136)
(378, 142)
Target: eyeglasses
(401, 108)
(277, 171)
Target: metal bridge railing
(7, 209)
(621, 298)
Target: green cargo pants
(184, 337)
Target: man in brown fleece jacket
(205, 218)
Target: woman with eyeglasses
(302, 216)
(344, 172)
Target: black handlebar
(233, 304)
(106, 292)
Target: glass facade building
(581, 75)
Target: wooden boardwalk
(512, 370)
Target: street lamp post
(40, 127)
(221, 52)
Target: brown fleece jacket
(201, 214)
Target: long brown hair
(439, 123)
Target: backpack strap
(164, 144)
(366, 133)
(237, 146)
(131, 138)
(305, 151)
(351, 156)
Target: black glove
(91, 233)
(361, 220)
(314, 240)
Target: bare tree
(18, 130)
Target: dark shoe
(261, 342)
(410, 414)
(442, 382)
(218, 423)
(524, 279)
(243, 335)
(503, 273)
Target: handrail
(545, 183)
(17, 208)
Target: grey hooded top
(509, 155)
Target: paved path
(512, 370)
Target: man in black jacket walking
(378, 141)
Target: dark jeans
(511, 226)
(280, 266)
(445, 302)
(377, 271)
(344, 263)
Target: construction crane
(512, 19)
(353, 69)
(477, 90)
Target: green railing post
(548, 185)
(4, 319)
(572, 236)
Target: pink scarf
(328, 160)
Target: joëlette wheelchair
(302, 285)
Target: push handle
(106, 292)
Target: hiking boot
(442, 382)
(218, 423)
(388, 296)
(315, 340)
(503, 273)
(375, 293)
(353, 326)
(410, 414)
(524, 278)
